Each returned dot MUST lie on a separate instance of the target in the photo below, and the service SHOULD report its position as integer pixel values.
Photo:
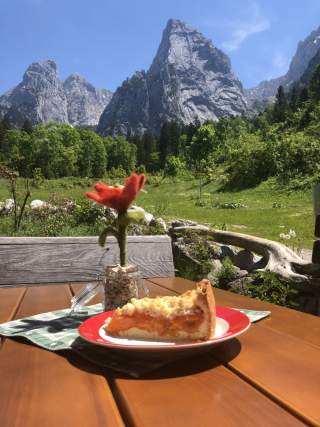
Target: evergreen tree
(174, 139)
(304, 95)
(164, 144)
(149, 146)
(27, 126)
(137, 141)
(314, 85)
(306, 118)
(4, 128)
(293, 98)
(280, 106)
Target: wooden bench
(37, 260)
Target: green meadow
(265, 211)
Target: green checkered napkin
(57, 330)
(254, 315)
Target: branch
(276, 257)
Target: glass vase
(121, 284)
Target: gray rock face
(189, 79)
(315, 61)
(128, 108)
(306, 50)
(85, 103)
(42, 98)
(38, 98)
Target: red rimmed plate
(230, 323)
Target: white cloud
(245, 29)
(240, 29)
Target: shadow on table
(63, 323)
(124, 364)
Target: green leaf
(105, 233)
(103, 237)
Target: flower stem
(122, 239)
(123, 246)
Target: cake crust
(188, 316)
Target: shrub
(267, 286)
(298, 158)
(227, 274)
(174, 167)
(250, 162)
(37, 178)
(87, 212)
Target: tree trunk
(276, 257)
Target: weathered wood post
(316, 206)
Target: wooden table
(269, 376)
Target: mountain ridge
(189, 79)
(306, 50)
(41, 97)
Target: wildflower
(118, 198)
(292, 233)
(284, 236)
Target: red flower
(118, 198)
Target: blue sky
(106, 41)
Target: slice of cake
(190, 316)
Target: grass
(270, 210)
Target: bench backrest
(36, 260)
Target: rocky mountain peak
(76, 82)
(188, 79)
(44, 70)
(306, 50)
(85, 102)
(74, 77)
(41, 98)
(44, 67)
(181, 42)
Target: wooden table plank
(10, 299)
(285, 368)
(198, 391)
(301, 325)
(41, 388)
(282, 365)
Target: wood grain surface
(10, 300)
(42, 388)
(283, 367)
(277, 355)
(267, 377)
(37, 260)
(197, 392)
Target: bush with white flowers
(7, 206)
